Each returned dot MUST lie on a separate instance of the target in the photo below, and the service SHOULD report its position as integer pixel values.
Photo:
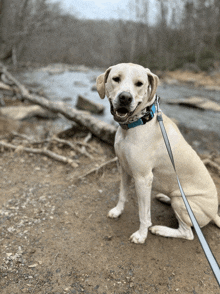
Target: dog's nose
(125, 98)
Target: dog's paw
(138, 238)
(159, 230)
(114, 212)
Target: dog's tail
(216, 220)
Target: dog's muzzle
(123, 108)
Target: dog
(139, 146)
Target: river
(67, 85)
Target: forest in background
(183, 35)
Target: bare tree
(183, 31)
(5, 28)
(18, 20)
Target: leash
(208, 253)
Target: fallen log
(100, 129)
(26, 112)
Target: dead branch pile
(23, 143)
(100, 129)
(39, 151)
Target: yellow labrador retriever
(142, 154)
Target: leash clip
(159, 111)
(157, 103)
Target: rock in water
(86, 104)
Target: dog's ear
(153, 80)
(100, 82)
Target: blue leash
(205, 246)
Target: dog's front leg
(143, 189)
(118, 209)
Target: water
(71, 84)
(190, 117)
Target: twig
(55, 258)
(87, 138)
(94, 170)
(22, 136)
(83, 148)
(212, 164)
(5, 80)
(47, 153)
(22, 88)
(87, 145)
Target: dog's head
(129, 87)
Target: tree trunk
(6, 26)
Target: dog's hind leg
(163, 198)
(184, 231)
(118, 209)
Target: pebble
(33, 265)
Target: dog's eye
(139, 84)
(116, 79)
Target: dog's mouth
(121, 114)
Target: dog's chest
(129, 148)
(122, 151)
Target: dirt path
(55, 236)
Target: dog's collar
(150, 111)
